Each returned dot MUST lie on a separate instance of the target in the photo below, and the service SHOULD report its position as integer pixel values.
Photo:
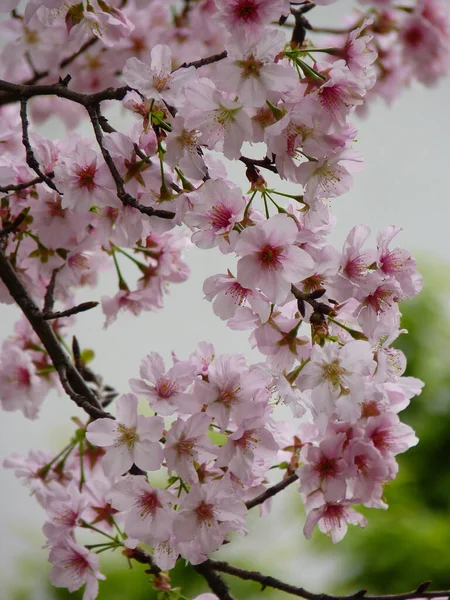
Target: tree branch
(272, 491)
(14, 92)
(30, 158)
(272, 582)
(265, 163)
(23, 186)
(71, 380)
(215, 582)
(124, 197)
(208, 60)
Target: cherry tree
(166, 470)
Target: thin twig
(30, 158)
(16, 223)
(13, 92)
(84, 306)
(208, 60)
(124, 197)
(23, 186)
(272, 491)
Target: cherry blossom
(73, 567)
(130, 439)
(269, 260)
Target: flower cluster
(322, 318)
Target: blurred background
(404, 183)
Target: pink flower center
(381, 439)
(333, 514)
(185, 447)
(381, 300)
(361, 463)
(238, 293)
(326, 467)
(356, 267)
(220, 216)
(161, 82)
(369, 409)
(246, 442)
(228, 396)
(166, 387)
(246, 10)
(148, 504)
(331, 97)
(269, 257)
(67, 516)
(86, 178)
(126, 436)
(78, 565)
(250, 66)
(413, 36)
(393, 262)
(23, 377)
(205, 513)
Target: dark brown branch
(30, 158)
(272, 491)
(23, 186)
(272, 582)
(84, 306)
(143, 557)
(208, 60)
(124, 197)
(13, 92)
(70, 378)
(265, 163)
(49, 299)
(11, 227)
(215, 582)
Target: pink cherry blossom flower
(248, 449)
(20, 386)
(65, 511)
(398, 263)
(324, 469)
(230, 385)
(367, 471)
(157, 80)
(228, 295)
(250, 71)
(223, 122)
(270, 260)
(75, 566)
(340, 92)
(217, 208)
(247, 18)
(206, 514)
(389, 435)
(333, 518)
(329, 177)
(83, 181)
(186, 442)
(335, 372)
(166, 390)
(183, 150)
(130, 439)
(147, 510)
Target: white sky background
(404, 183)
